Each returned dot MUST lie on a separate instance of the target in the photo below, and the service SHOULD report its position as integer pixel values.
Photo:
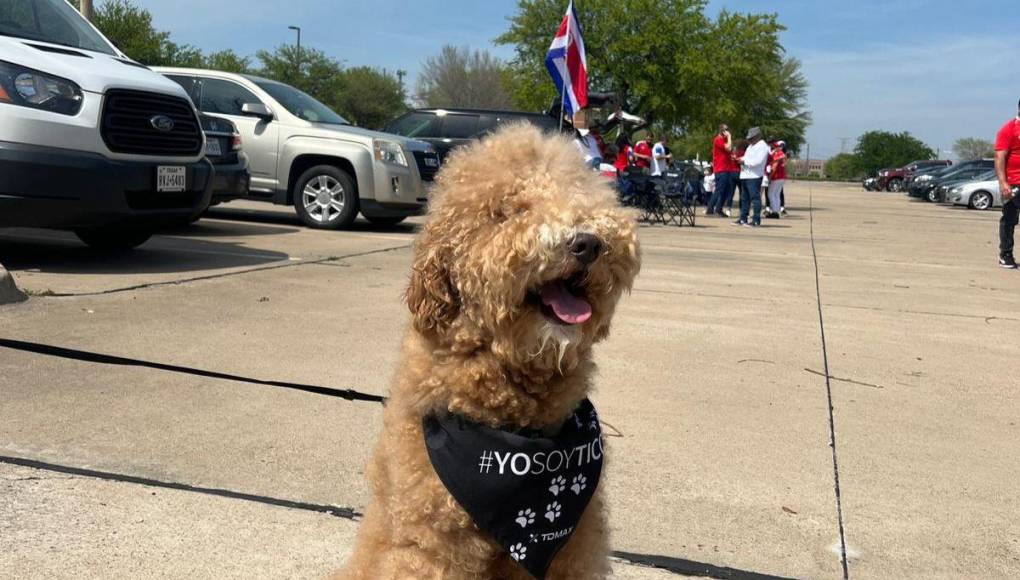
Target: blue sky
(939, 69)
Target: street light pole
(87, 11)
(298, 30)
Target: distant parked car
(941, 192)
(923, 184)
(982, 195)
(871, 184)
(302, 153)
(950, 180)
(447, 129)
(895, 179)
(223, 149)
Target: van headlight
(389, 152)
(31, 88)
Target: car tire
(326, 198)
(113, 239)
(895, 185)
(981, 200)
(385, 220)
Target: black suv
(446, 129)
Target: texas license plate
(212, 147)
(170, 179)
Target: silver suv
(301, 153)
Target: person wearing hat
(1007, 168)
(752, 171)
(777, 178)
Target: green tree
(458, 77)
(969, 148)
(672, 64)
(227, 61)
(843, 166)
(370, 97)
(309, 69)
(130, 29)
(880, 149)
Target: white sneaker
(726, 212)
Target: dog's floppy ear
(431, 296)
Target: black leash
(92, 357)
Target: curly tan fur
(499, 226)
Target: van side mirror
(257, 110)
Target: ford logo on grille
(162, 123)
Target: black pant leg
(1007, 226)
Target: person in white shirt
(708, 184)
(660, 159)
(752, 170)
(589, 148)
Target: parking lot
(713, 387)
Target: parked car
(302, 153)
(940, 194)
(447, 129)
(981, 194)
(91, 141)
(895, 179)
(870, 184)
(924, 183)
(964, 173)
(223, 149)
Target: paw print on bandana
(553, 511)
(558, 484)
(593, 425)
(580, 482)
(518, 551)
(525, 517)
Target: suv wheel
(385, 221)
(933, 195)
(325, 198)
(113, 239)
(981, 200)
(895, 185)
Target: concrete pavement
(714, 377)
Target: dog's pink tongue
(567, 307)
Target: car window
(191, 85)
(460, 126)
(488, 123)
(224, 97)
(418, 124)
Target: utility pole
(87, 11)
(807, 166)
(842, 144)
(400, 78)
(298, 30)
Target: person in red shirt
(727, 173)
(1007, 168)
(643, 153)
(777, 178)
(623, 153)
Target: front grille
(428, 172)
(127, 124)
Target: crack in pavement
(181, 281)
(987, 319)
(851, 381)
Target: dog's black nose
(585, 247)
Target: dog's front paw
(558, 484)
(525, 517)
(553, 511)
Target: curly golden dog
(516, 275)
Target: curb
(9, 292)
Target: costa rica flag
(568, 63)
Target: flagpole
(563, 103)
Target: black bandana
(526, 490)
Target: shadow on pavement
(62, 253)
(289, 218)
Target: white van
(90, 140)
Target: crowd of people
(751, 166)
(748, 167)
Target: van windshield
(53, 21)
